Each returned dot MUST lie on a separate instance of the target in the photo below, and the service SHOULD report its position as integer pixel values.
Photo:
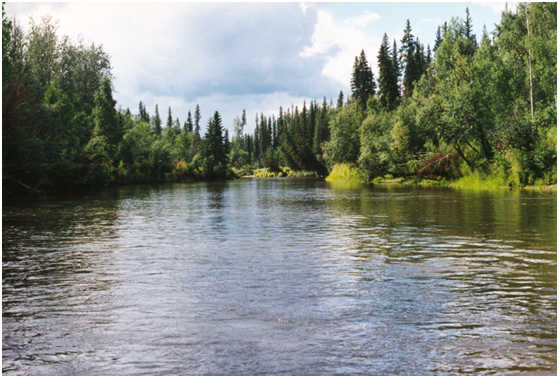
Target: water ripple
(257, 277)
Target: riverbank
(284, 172)
(347, 174)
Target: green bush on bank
(263, 173)
(348, 173)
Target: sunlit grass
(541, 188)
(476, 181)
(347, 174)
(263, 173)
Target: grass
(348, 176)
(410, 181)
(346, 173)
(478, 181)
(284, 172)
(541, 188)
(264, 173)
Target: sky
(234, 56)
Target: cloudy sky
(234, 56)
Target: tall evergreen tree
(169, 119)
(196, 139)
(188, 126)
(428, 57)
(419, 60)
(468, 27)
(214, 148)
(438, 39)
(157, 121)
(239, 126)
(397, 70)
(197, 118)
(470, 48)
(408, 57)
(321, 131)
(388, 81)
(177, 126)
(226, 142)
(104, 114)
(340, 102)
(362, 80)
(256, 141)
(141, 111)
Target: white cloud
(363, 19)
(499, 7)
(433, 20)
(340, 42)
(304, 6)
(176, 54)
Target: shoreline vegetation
(348, 175)
(472, 112)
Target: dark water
(280, 277)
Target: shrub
(347, 173)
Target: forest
(469, 106)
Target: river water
(254, 277)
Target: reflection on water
(280, 277)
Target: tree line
(466, 105)
(470, 105)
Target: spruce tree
(468, 27)
(196, 138)
(274, 132)
(362, 81)
(256, 142)
(321, 130)
(428, 57)
(340, 102)
(141, 111)
(157, 121)
(214, 148)
(197, 118)
(270, 135)
(170, 119)
(227, 143)
(104, 114)
(396, 60)
(177, 126)
(438, 39)
(409, 60)
(471, 47)
(419, 60)
(188, 126)
(388, 81)
(238, 127)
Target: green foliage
(388, 77)
(485, 112)
(480, 181)
(157, 121)
(214, 149)
(346, 173)
(264, 173)
(362, 80)
(375, 154)
(343, 146)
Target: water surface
(255, 277)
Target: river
(283, 277)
